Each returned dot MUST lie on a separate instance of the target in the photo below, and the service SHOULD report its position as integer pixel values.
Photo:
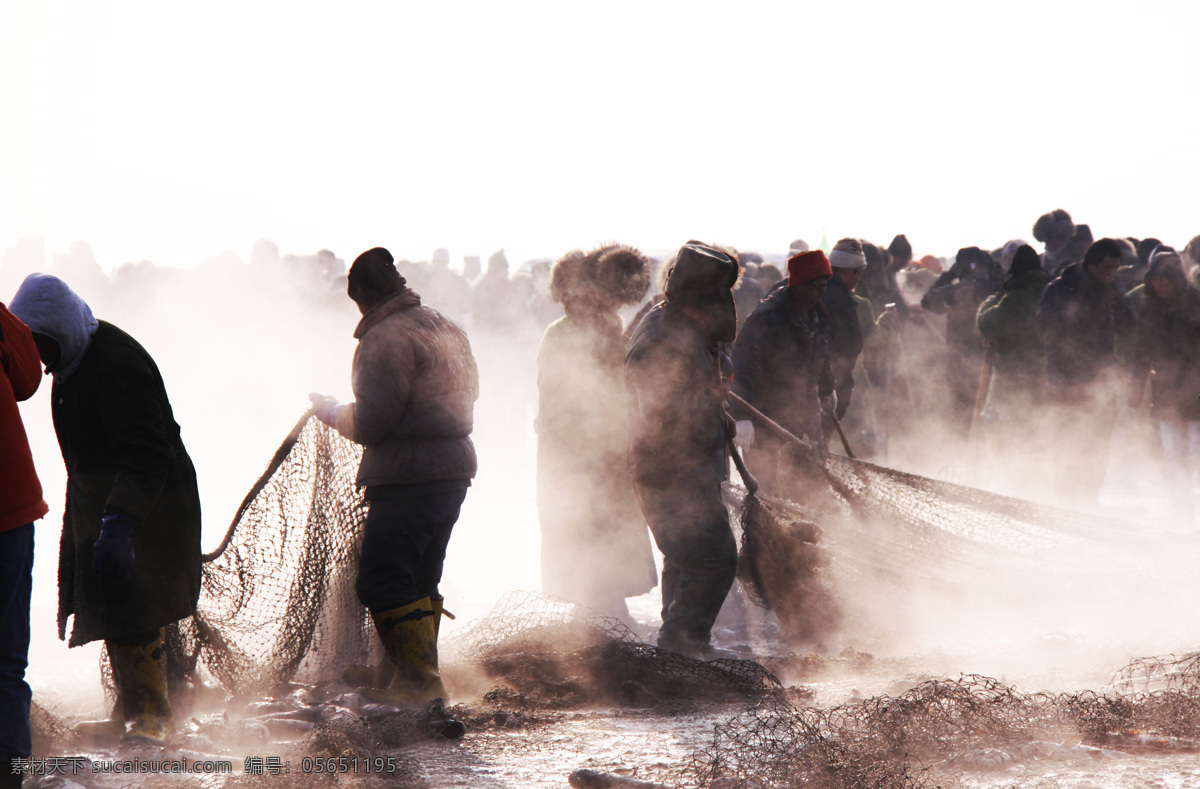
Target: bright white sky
(172, 131)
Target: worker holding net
(781, 365)
(415, 385)
(679, 429)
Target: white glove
(745, 434)
(326, 408)
(829, 403)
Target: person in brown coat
(415, 384)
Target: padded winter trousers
(404, 546)
(691, 527)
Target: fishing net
(278, 606)
(936, 730)
(551, 653)
(277, 600)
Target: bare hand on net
(326, 408)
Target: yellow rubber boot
(143, 687)
(409, 635)
(379, 675)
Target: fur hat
(1054, 228)
(847, 253)
(612, 275)
(372, 276)
(568, 278)
(623, 272)
(807, 266)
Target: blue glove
(113, 559)
(326, 408)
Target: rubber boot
(142, 672)
(409, 636)
(379, 675)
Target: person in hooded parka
(1167, 343)
(129, 560)
(595, 544)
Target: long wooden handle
(747, 478)
(770, 423)
(837, 424)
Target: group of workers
(635, 427)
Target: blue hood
(48, 306)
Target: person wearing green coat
(129, 557)
(1008, 323)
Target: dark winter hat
(1054, 228)
(1146, 247)
(1025, 259)
(701, 275)
(373, 276)
(1083, 236)
(900, 248)
(972, 256)
(807, 266)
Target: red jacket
(20, 492)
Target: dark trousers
(16, 587)
(691, 527)
(404, 546)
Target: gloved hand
(829, 403)
(730, 427)
(327, 408)
(745, 434)
(112, 559)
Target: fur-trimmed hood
(48, 306)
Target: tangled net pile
(943, 726)
(555, 654)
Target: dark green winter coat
(1008, 323)
(123, 452)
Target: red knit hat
(807, 266)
